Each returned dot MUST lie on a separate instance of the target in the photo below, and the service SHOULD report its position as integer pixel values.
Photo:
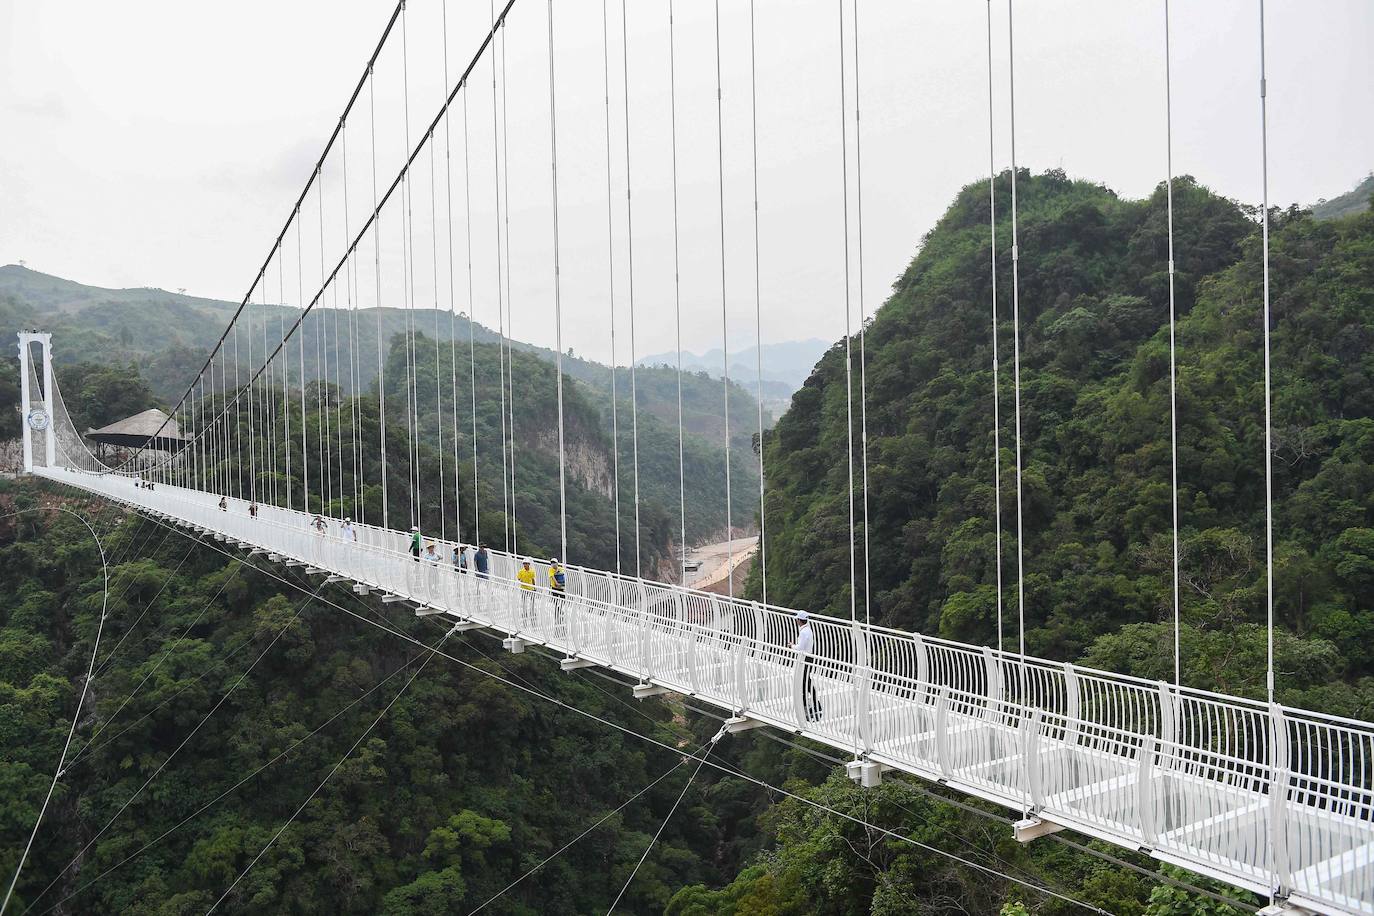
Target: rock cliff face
(587, 459)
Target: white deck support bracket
(572, 663)
(465, 626)
(392, 599)
(736, 724)
(295, 562)
(866, 773)
(644, 691)
(314, 571)
(273, 557)
(331, 579)
(1033, 828)
(1283, 908)
(361, 589)
(514, 645)
(425, 610)
(256, 552)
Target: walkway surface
(1260, 797)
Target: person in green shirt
(415, 542)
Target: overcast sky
(163, 143)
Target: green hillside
(162, 339)
(1357, 200)
(1095, 414)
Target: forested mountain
(466, 784)
(120, 351)
(463, 784)
(1095, 420)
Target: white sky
(162, 143)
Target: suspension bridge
(1266, 797)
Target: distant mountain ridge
(1357, 200)
(789, 361)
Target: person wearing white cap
(525, 575)
(347, 532)
(415, 542)
(803, 646)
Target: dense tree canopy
(1095, 420)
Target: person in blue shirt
(558, 588)
(482, 560)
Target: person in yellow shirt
(526, 578)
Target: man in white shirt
(347, 532)
(803, 647)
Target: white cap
(802, 615)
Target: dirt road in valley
(718, 560)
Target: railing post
(608, 624)
(1145, 790)
(737, 651)
(693, 675)
(757, 655)
(642, 618)
(862, 675)
(922, 671)
(1030, 756)
(993, 716)
(942, 732)
(1072, 707)
(1278, 798)
(1168, 727)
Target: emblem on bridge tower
(38, 419)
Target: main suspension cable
(295, 210)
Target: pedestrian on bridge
(527, 590)
(460, 558)
(415, 542)
(803, 646)
(319, 524)
(347, 533)
(482, 560)
(223, 504)
(253, 510)
(558, 588)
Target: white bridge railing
(1268, 798)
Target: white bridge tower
(37, 415)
